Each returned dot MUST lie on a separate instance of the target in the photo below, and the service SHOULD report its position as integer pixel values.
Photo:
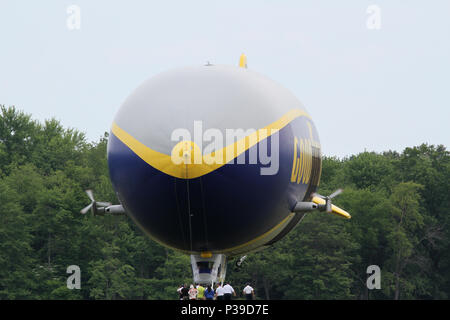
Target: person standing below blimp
(248, 292)
(228, 291)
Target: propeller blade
(86, 209)
(318, 195)
(103, 204)
(90, 195)
(336, 193)
(329, 208)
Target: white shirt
(228, 289)
(220, 291)
(248, 290)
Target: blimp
(215, 161)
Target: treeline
(399, 204)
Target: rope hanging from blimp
(180, 218)
(189, 210)
(205, 228)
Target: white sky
(365, 89)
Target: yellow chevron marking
(209, 163)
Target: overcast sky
(365, 88)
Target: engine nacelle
(116, 210)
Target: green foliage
(399, 204)
(16, 259)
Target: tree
(403, 239)
(17, 131)
(110, 278)
(16, 257)
(323, 253)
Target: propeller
(93, 205)
(328, 198)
